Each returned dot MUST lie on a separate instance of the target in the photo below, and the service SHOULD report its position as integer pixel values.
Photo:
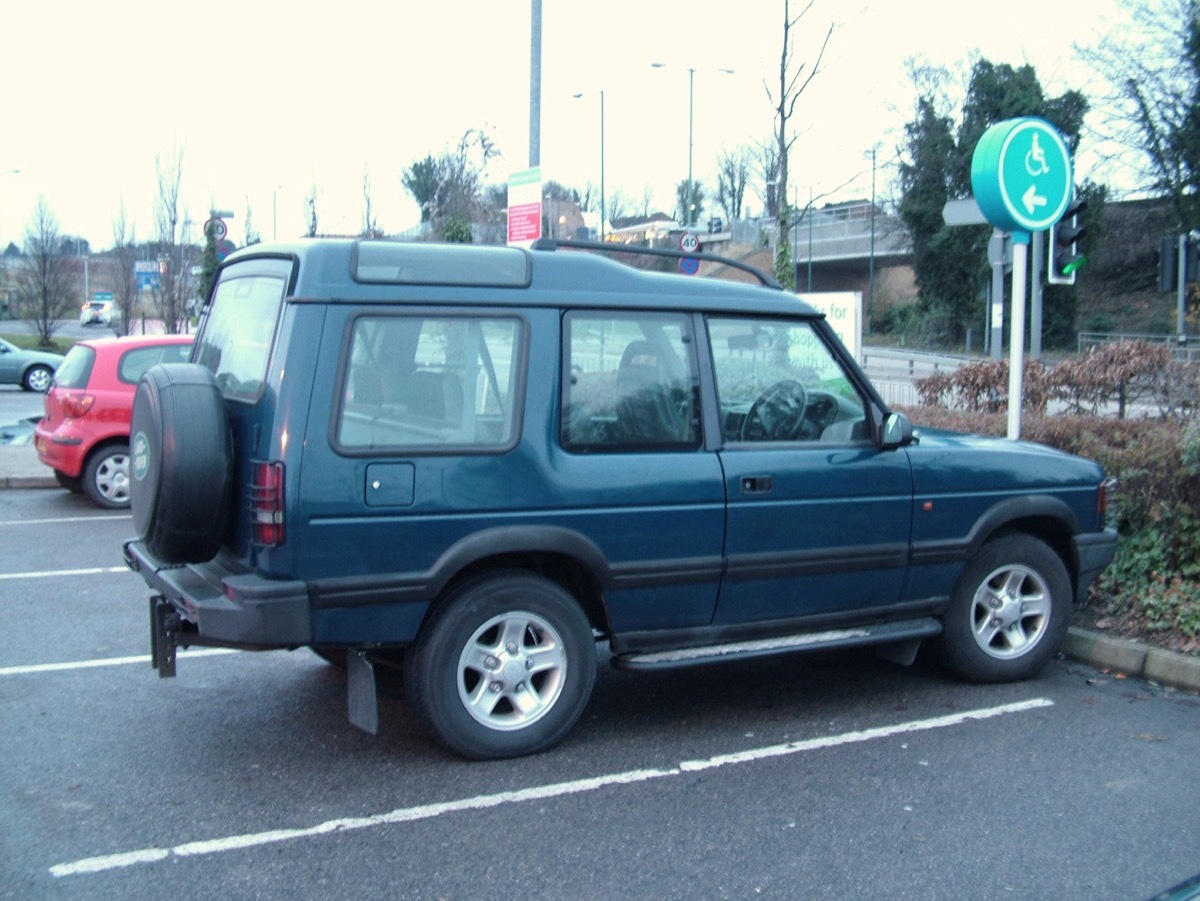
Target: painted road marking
(536, 793)
(58, 519)
(54, 573)
(106, 661)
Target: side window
(415, 382)
(135, 362)
(777, 381)
(629, 383)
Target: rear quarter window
(135, 362)
(76, 367)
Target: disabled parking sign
(1021, 175)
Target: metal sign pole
(1016, 355)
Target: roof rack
(615, 247)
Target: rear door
(818, 520)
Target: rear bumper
(1094, 551)
(227, 608)
(64, 452)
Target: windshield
(236, 341)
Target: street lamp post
(603, 208)
(871, 269)
(689, 199)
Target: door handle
(756, 484)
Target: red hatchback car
(84, 434)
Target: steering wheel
(777, 413)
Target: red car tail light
(266, 503)
(76, 405)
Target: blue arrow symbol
(1032, 199)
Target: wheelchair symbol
(1035, 159)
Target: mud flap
(361, 701)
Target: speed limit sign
(689, 243)
(216, 229)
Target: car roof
(127, 341)
(323, 270)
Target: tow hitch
(164, 627)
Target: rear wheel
(1010, 612)
(106, 477)
(503, 668)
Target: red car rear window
(76, 367)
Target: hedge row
(1112, 379)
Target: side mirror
(897, 431)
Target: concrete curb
(1133, 659)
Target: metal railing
(1183, 352)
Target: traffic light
(1064, 256)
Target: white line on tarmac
(54, 573)
(106, 661)
(556, 790)
(58, 519)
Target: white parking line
(535, 793)
(105, 661)
(54, 573)
(57, 519)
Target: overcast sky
(266, 99)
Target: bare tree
(174, 257)
(617, 205)
(766, 155)
(250, 230)
(370, 223)
(794, 78)
(1152, 102)
(310, 211)
(733, 173)
(124, 280)
(647, 200)
(44, 284)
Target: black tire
(181, 463)
(500, 643)
(106, 477)
(71, 483)
(37, 378)
(1009, 613)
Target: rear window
(137, 361)
(76, 367)
(236, 341)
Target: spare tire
(181, 463)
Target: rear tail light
(266, 503)
(76, 405)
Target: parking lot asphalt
(20, 468)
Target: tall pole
(871, 276)
(1016, 355)
(690, 212)
(535, 86)
(603, 208)
(809, 213)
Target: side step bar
(909, 631)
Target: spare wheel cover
(180, 463)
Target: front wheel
(1009, 613)
(503, 668)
